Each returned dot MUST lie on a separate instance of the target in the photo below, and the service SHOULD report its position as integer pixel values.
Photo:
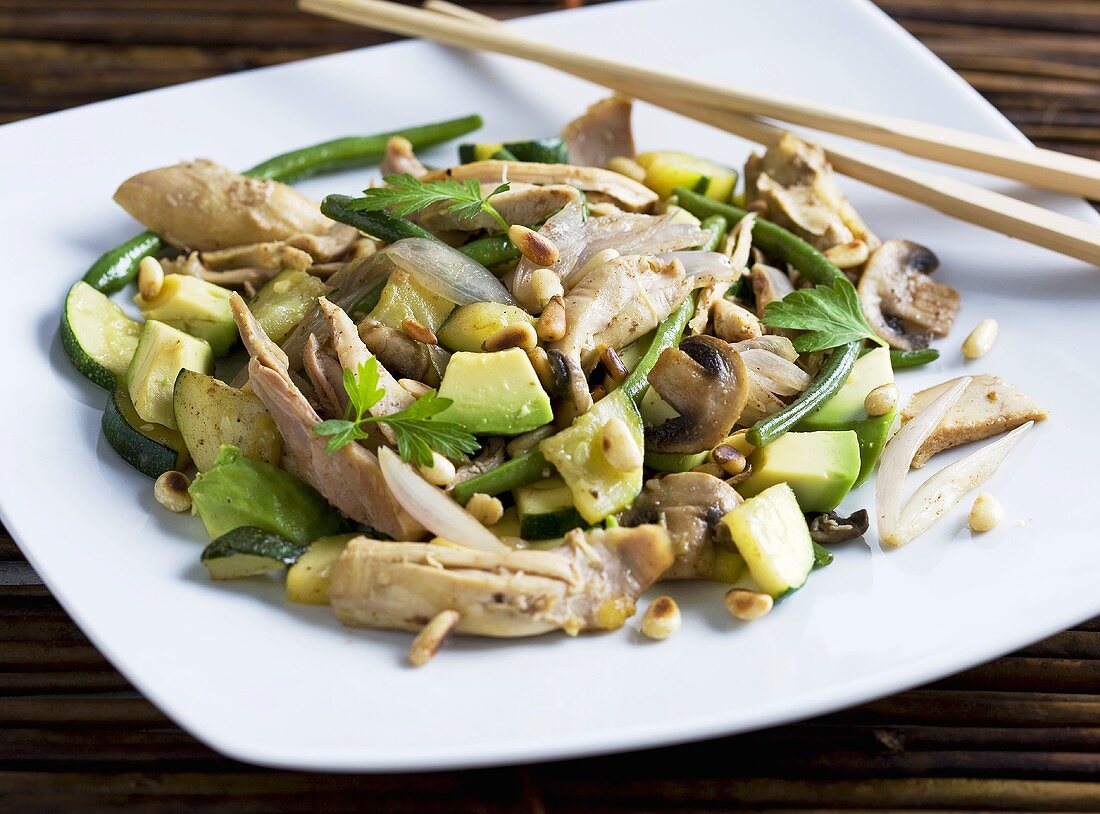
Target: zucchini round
(97, 335)
(149, 448)
(247, 551)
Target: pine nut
(528, 441)
(170, 491)
(546, 285)
(432, 636)
(552, 325)
(662, 618)
(619, 447)
(485, 509)
(848, 255)
(613, 363)
(628, 167)
(421, 333)
(418, 389)
(519, 335)
(540, 361)
(539, 249)
(747, 605)
(150, 278)
(881, 400)
(729, 458)
(597, 260)
(440, 473)
(981, 339)
(986, 513)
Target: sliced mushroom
(591, 582)
(706, 382)
(830, 527)
(903, 304)
(403, 355)
(688, 504)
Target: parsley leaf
(830, 315)
(416, 433)
(405, 194)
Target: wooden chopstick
(955, 198)
(1031, 165)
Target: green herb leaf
(830, 315)
(341, 431)
(405, 194)
(362, 388)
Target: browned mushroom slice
(706, 382)
(591, 582)
(903, 304)
(988, 406)
(400, 353)
(601, 133)
(689, 505)
(830, 527)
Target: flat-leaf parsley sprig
(831, 316)
(405, 194)
(416, 433)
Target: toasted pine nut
(619, 447)
(539, 249)
(986, 513)
(881, 400)
(518, 335)
(432, 636)
(628, 167)
(848, 255)
(150, 277)
(981, 339)
(662, 618)
(597, 260)
(729, 458)
(418, 389)
(421, 333)
(546, 285)
(551, 326)
(541, 363)
(440, 473)
(614, 364)
(485, 509)
(747, 605)
(170, 491)
(528, 441)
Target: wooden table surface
(1020, 733)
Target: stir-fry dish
(507, 396)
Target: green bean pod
(491, 251)
(668, 334)
(902, 359)
(716, 227)
(118, 266)
(520, 471)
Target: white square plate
(284, 685)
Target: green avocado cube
(820, 467)
(196, 307)
(494, 393)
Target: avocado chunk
(470, 325)
(771, 535)
(820, 467)
(284, 301)
(195, 307)
(844, 411)
(162, 352)
(494, 393)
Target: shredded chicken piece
(349, 478)
(601, 133)
(275, 255)
(591, 582)
(400, 159)
(740, 246)
(327, 378)
(988, 406)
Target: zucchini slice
(151, 449)
(667, 169)
(97, 335)
(546, 510)
(247, 552)
(284, 301)
(209, 413)
(551, 150)
(308, 578)
(770, 532)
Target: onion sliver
(448, 272)
(897, 456)
(946, 488)
(435, 510)
(781, 377)
(710, 268)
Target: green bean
(667, 334)
(716, 227)
(901, 359)
(118, 267)
(520, 471)
(491, 251)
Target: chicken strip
(399, 159)
(591, 582)
(202, 205)
(349, 478)
(601, 133)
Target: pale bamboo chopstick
(957, 199)
(1044, 168)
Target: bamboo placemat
(1020, 733)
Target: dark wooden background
(1021, 733)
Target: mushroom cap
(706, 382)
(902, 303)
